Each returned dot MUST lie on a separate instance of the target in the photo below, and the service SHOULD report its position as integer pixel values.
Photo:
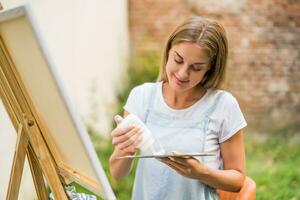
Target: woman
(187, 111)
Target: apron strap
(151, 101)
(207, 119)
(214, 106)
(208, 189)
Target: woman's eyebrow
(178, 55)
(199, 63)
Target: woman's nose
(183, 73)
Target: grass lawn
(274, 163)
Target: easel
(30, 103)
(33, 139)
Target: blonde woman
(187, 111)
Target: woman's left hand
(186, 166)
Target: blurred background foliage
(272, 158)
(143, 69)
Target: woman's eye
(197, 68)
(178, 61)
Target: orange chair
(246, 193)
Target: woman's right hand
(126, 138)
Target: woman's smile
(179, 81)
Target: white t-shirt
(226, 119)
(217, 113)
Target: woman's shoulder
(224, 97)
(143, 92)
(138, 98)
(225, 106)
(145, 87)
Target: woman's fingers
(131, 150)
(182, 160)
(128, 141)
(126, 136)
(132, 147)
(120, 131)
(138, 140)
(173, 161)
(176, 166)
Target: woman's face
(186, 66)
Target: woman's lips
(178, 81)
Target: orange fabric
(247, 192)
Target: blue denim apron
(155, 180)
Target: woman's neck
(181, 100)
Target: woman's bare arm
(233, 175)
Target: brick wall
(264, 44)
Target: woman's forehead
(190, 51)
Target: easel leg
(37, 174)
(47, 164)
(18, 165)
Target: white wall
(89, 41)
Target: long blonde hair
(209, 35)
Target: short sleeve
(233, 120)
(134, 103)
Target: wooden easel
(33, 138)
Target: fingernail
(118, 118)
